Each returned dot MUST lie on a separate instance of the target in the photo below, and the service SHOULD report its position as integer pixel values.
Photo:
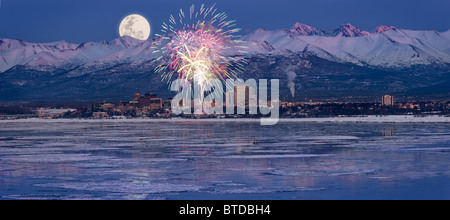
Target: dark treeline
(16, 110)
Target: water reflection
(388, 132)
(148, 160)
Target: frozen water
(176, 159)
(272, 156)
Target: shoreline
(356, 119)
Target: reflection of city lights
(388, 132)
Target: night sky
(95, 20)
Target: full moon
(135, 26)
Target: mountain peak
(61, 45)
(382, 28)
(348, 30)
(304, 30)
(261, 30)
(126, 41)
(6, 43)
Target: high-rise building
(241, 95)
(167, 104)
(144, 102)
(108, 107)
(137, 96)
(150, 101)
(155, 104)
(387, 100)
(97, 107)
(151, 96)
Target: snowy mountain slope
(300, 29)
(17, 52)
(57, 54)
(387, 46)
(348, 30)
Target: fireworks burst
(196, 47)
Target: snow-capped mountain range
(384, 47)
(309, 61)
(62, 53)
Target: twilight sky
(95, 20)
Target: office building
(387, 100)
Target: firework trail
(195, 47)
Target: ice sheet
(108, 159)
